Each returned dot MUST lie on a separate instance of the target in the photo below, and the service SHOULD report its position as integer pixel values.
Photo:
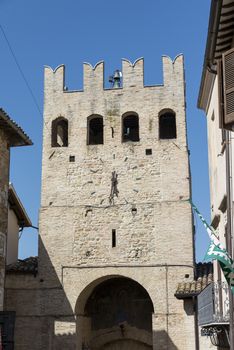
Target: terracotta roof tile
(17, 136)
(203, 277)
(28, 265)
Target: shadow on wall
(45, 317)
(188, 307)
(56, 305)
(162, 341)
(43, 312)
(65, 341)
(65, 328)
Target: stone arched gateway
(114, 313)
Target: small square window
(72, 158)
(148, 151)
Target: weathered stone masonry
(11, 135)
(4, 184)
(150, 218)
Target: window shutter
(228, 88)
(220, 91)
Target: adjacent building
(216, 98)
(11, 135)
(17, 220)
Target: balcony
(213, 313)
(213, 304)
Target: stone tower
(115, 223)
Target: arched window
(95, 130)
(59, 134)
(130, 127)
(167, 125)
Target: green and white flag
(216, 251)
(208, 228)
(225, 261)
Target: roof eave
(186, 295)
(17, 137)
(17, 206)
(215, 12)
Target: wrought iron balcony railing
(213, 304)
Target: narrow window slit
(113, 238)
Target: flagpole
(229, 229)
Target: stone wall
(4, 185)
(151, 215)
(75, 195)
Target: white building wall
(217, 163)
(12, 237)
(217, 177)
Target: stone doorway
(117, 316)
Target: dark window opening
(72, 158)
(95, 131)
(119, 301)
(113, 238)
(59, 136)
(167, 126)
(134, 211)
(148, 151)
(130, 128)
(7, 325)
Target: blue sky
(73, 31)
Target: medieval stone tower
(115, 224)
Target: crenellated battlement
(132, 74)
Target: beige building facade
(17, 220)
(115, 222)
(216, 99)
(11, 135)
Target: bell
(117, 79)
